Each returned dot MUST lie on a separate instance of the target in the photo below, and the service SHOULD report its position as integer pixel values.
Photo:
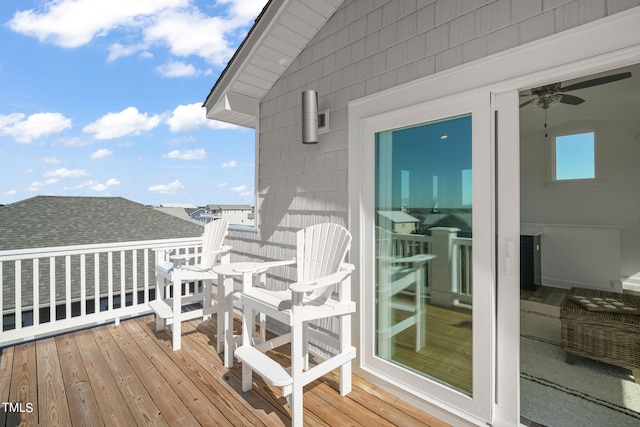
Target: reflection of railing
(407, 245)
(456, 252)
(44, 291)
(461, 268)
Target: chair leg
(227, 310)
(345, 344)
(206, 304)
(305, 345)
(176, 327)
(247, 372)
(160, 322)
(297, 365)
(219, 310)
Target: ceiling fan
(552, 94)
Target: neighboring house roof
(398, 216)
(178, 212)
(281, 31)
(178, 205)
(229, 207)
(45, 221)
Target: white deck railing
(45, 291)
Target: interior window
(575, 156)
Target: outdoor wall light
(309, 117)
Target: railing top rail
(29, 253)
(465, 241)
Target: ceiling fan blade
(571, 100)
(524, 104)
(596, 82)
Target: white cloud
(98, 186)
(118, 50)
(170, 188)
(102, 187)
(65, 173)
(11, 193)
(51, 160)
(224, 184)
(36, 185)
(174, 24)
(73, 23)
(231, 164)
(126, 122)
(243, 10)
(198, 154)
(190, 117)
(190, 32)
(176, 69)
(103, 152)
(242, 190)
(35, 126)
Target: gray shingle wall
(368, 46)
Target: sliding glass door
(428, 280)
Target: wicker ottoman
(609, 337)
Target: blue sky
(103, 98)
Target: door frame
(477, 103)
(602, 45)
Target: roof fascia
(218, 98)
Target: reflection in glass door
(423, 241)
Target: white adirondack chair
(398, 274)
(321, 271)
(179, 268)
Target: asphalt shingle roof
(45, 221)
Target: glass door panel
(423, 241)
(424, 182)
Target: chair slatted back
(321, 250)
(212, 240)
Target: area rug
(556, 394)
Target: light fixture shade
(309, 117)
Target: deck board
(24, 385)
(6, 362)
(143, 408)
(53, 408)
(111, 403)
(128, 375)
(164, 397)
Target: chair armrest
(345, 266)
(323, 282)
(261, 267)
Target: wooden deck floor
(127, 375)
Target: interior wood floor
(127, 375)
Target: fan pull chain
(546, 135)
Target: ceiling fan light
(547, 100)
